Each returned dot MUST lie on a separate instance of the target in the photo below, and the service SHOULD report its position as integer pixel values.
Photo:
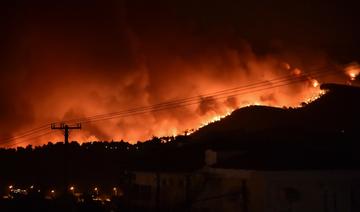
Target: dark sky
(267, 25)
(50, 48)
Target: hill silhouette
(337, 111)
(320, 135)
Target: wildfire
(315, 97)
(315, 83)
(353, 70)
(316, 94)
(256, 87)
(215, 119)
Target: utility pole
(66, 129)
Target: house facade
(215, 188)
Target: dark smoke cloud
(63, 60)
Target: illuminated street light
(52, 193)
(72, 189)
(96, 191)
(11, 186)
(115, 191)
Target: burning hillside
(333, 117)
(96, 60)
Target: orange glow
(353, 70)
(296, 72)
(315, 83)
(73, 61)
(215, 118)
(178, 79)
(315, 97)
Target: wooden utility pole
(66, 129)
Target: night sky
(66, 59)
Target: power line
(175, 101)
(196, 98)
(269, 84)
(187, 103)
(29, 139)
(172, 105)
(183, 105)
(26, 133)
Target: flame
(214, 119)
(353, 70)
(315, 97)
(166, 126)
(316, 94)
(197, 79)
(315, 83)
(94, 68)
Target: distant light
(32, 187)
(10, 186)
(52, 191)
(115, 191)
(72, 188)
(95, 189)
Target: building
(279, 191)
(223, 186)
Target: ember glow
(171, 122)
(103, 99)
(353, 70)
(73, 61)
(315, 83)
(88, 93)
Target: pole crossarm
(63, 126)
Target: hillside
(336, 112)
(320, 135)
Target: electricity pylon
(66, 129)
